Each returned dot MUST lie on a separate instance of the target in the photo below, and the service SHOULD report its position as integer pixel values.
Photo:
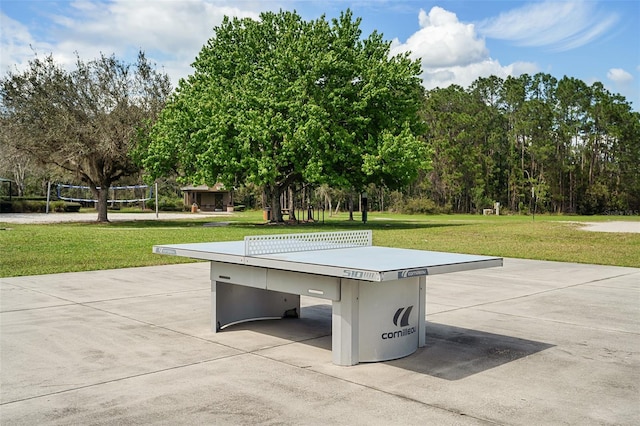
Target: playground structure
(308, 204)
(300, 204)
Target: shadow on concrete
(451, 353)
(313, 325)
(454, 353)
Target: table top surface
(371, 263)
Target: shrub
(420, 206)
(396, 201)
(167, 204)
(72, 207)
(594, 200)
(57, 206)
(38, 206)
(29, 206)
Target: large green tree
(86, 120)
(280, 101)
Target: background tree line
(284, 104)
(532, 141)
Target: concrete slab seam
(536, 293)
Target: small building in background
(208, 198)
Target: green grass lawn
(69, 247)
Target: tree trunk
(103, 199)
(273, 192)
(19, 173)
(291, 204)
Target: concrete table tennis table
(378, 294)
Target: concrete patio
(530, 343)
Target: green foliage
(39, 206)
(23, 206)
(594, 200)
(397, 159)
(396, 201)
(282, 101)
(420, 206)
(415, 205)
(533, 142)
(71, 207)
(84, 121)
(167, 204)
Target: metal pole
(156, 189)
(364, 204)
(533, 198)
(48, 195)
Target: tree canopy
(533, 142)
(281, 101)
(277, 102)
(85, 121)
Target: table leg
(345, 324)
(422, 312)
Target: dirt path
(611, 226)
(91, 217)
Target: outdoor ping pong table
(378, 294)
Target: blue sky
(457, 41)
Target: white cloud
(558, 25)
(444, 41)
(452, 52)
(170, 32)
(164, 26)
(17, 45)
(618, 75)
(467, 74)
(622, 81)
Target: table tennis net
(286, 243)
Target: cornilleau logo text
(400, 319)
(412, 273)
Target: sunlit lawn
(66, 247)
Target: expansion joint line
(534, 294)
